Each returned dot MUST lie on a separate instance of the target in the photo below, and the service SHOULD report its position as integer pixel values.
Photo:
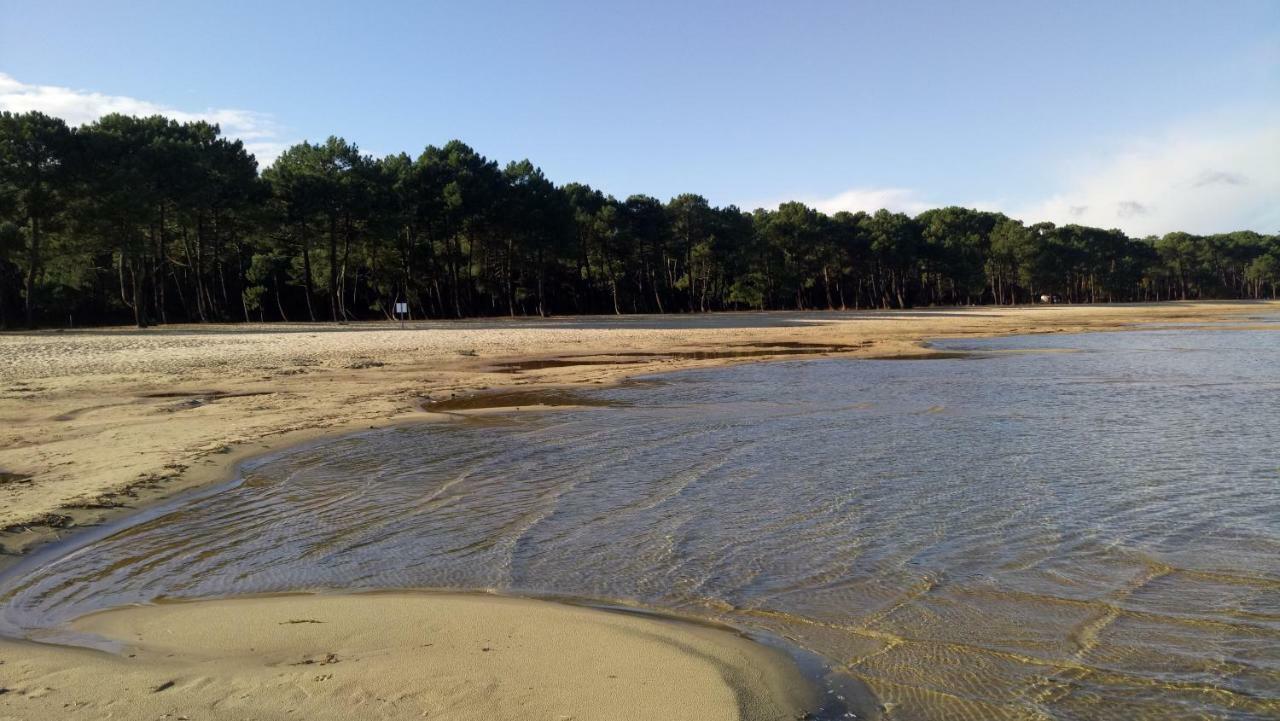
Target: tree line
(149, 220)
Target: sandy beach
(398, 655)
(98, 423)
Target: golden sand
(399, 656)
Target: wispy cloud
(261, 134)
(1130, 208)
(1211, 177)
(1204, 179)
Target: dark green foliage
(151, 221)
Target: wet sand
(399, 655)
(98, 423)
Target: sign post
(402, 310)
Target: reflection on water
(1090, 535)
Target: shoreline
(41, 514)
(786, 681)
(403, 654)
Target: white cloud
(259, 131)
(1198, 179)
(900, 200)
(1218, 175)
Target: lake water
(1059, 527)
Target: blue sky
(1150, 116)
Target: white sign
(402, 309)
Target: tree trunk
(657, 297)
(333, 267)
(275, 279)
(135, 282)
(202, 295)
(33, 269)
(342, 285)
(306, 275)
(156, 269)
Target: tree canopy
(148, 220)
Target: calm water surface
(1091, 534)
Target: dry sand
(462, 657)
(95, 423)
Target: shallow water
(1087, 535)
